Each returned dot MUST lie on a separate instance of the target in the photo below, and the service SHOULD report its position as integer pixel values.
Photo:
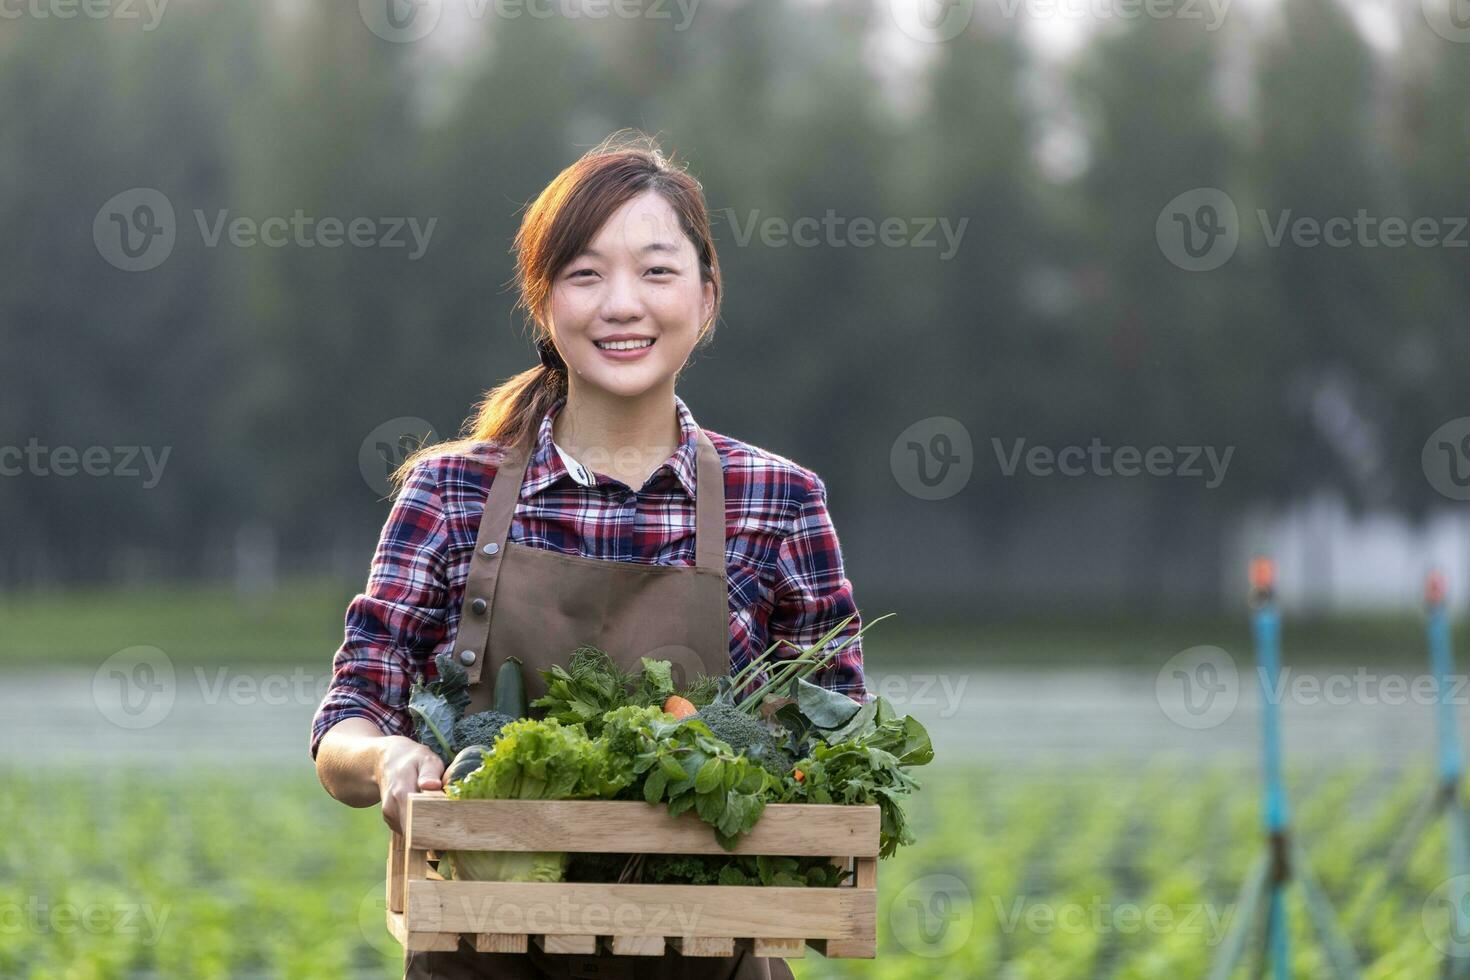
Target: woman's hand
(404, 766)
(360, 765)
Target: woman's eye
(578, 272)
(661, 270)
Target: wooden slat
(501, 942)
(835, 949)
(637, 945)
(420, 941)
(567, 945)
(703, 946)
(784, 948)
(567, 908)
(395, 872)
(867, 873)
(630, 826)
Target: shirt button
(466, 657)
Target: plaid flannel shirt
(783, 562)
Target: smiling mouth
(624, 344)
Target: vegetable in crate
(592, 684)
(534, 760)
(438, 706)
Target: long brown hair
(555, 229)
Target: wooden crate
(425, 912)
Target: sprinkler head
(1434, 588)
(1262, 577)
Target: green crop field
(236, 872)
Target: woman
(585, 506)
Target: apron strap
(473, 635)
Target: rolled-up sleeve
(812, 593)
(393, 627)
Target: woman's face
(638, 280)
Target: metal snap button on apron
(479, 606)
(490, 549)
(466, 657)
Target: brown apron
(540, 605)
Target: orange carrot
(800, 775)
(680, 707)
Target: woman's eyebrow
(592, 253)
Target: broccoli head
(480, 728)
(744, 734)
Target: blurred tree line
(1059, 320)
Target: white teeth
(623, 344)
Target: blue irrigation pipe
(1266, 621)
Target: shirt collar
(546, 466)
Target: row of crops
(1043, 874)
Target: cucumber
(510, 689)
(470, 758)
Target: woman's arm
(812, 593)
(359, 735)
(361, 766)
